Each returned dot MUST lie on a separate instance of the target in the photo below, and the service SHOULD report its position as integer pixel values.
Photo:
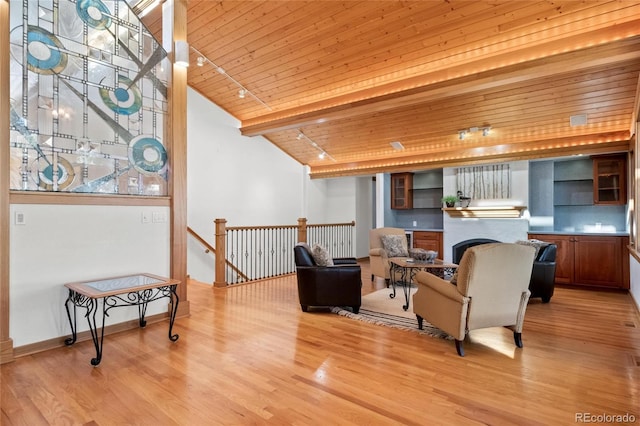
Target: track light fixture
(323, 154)
(242, 91)
(486, 130)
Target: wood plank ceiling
(353, 76)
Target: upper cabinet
(609, 179)
(401, 191)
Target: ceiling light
(242, 93)
(221, 70)
(300, 136)
(200, 61)
(486, 130)
(322, 155)
(181, 53)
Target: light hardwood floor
(249, 355)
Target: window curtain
(484, 182)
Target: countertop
(594, 234)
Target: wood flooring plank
(249, 355)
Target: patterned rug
(379, 309)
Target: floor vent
(630, 324)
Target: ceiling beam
(539, 62)
(583, 145)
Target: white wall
(506, 230)
(364, 216)
(248, 181)
(60, 244)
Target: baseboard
(58, 342)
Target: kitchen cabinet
(590, 260)
(609, 179)
(401, 191)
(428, 240)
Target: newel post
(302, 230)
(221, 255)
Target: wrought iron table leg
(92, 309)
(406, 287)
(142, 311)
(72, 323)
(392, 278)
(174, 309)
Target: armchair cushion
(395, 245)
(379, 260)
(321, 255)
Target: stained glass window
(88, 99)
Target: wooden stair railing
(210, 248)
(267, 251)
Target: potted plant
(450, 200)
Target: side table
(130, 290)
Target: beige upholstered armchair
(492, 290)
(377, 255)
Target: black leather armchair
(543, 274)
(338, 285)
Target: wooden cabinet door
(428, 240)
(564, 256)
(609, 179)
(401, 191)
(599, 261)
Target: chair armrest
(440, 286)
(345, 261)
(377, 252)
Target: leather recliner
(543, 274)
(337, 285)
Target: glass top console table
(130, 290)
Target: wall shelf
(485, 212)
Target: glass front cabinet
(401, 190)
(609, 179)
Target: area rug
(379, 309)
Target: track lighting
(322, 154)
(242, 91)
(486, 130)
